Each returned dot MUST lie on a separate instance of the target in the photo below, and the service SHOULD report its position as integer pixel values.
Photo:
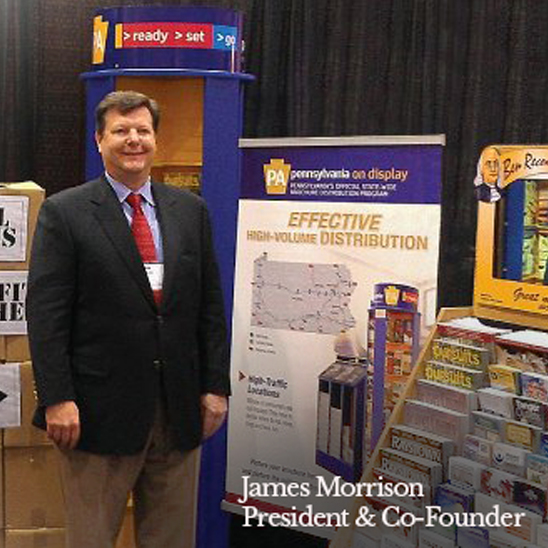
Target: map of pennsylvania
(306, 297)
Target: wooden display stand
(344, 536)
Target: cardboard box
(32, 488)
(26, 435)
(2, 512)
(35, 538)
(19, 206)
(14, 348)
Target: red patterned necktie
(143, 236)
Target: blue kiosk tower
(190, 60)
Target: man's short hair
(124, 102)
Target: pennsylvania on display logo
(276, 176)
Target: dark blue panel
(397, 174)
(377, 419)
(514, 232)
(167, 73)
(221, 171)
(220, 189)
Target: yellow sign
(100, 33)
(457, 354)
(391, 295)
(276, 176)
(119, 35)
(452, 375)
(499, 166)
(507, 300)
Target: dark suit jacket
(95, 333)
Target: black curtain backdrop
(475, 70)
(472, 69)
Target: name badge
(155, 274)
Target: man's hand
(214, 409)
(63, 421)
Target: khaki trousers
(163, 483)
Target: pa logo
(276, 176)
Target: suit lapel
(114, 223)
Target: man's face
(490, 167)
(128, 145)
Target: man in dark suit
(127, 335)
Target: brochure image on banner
(293, 302)
(308, 273)
(13, 228)
(301, 296)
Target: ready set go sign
(174, 35)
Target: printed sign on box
(10, 395)
(13, 293)
(13, 228)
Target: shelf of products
(525, 234)
(472, 429)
